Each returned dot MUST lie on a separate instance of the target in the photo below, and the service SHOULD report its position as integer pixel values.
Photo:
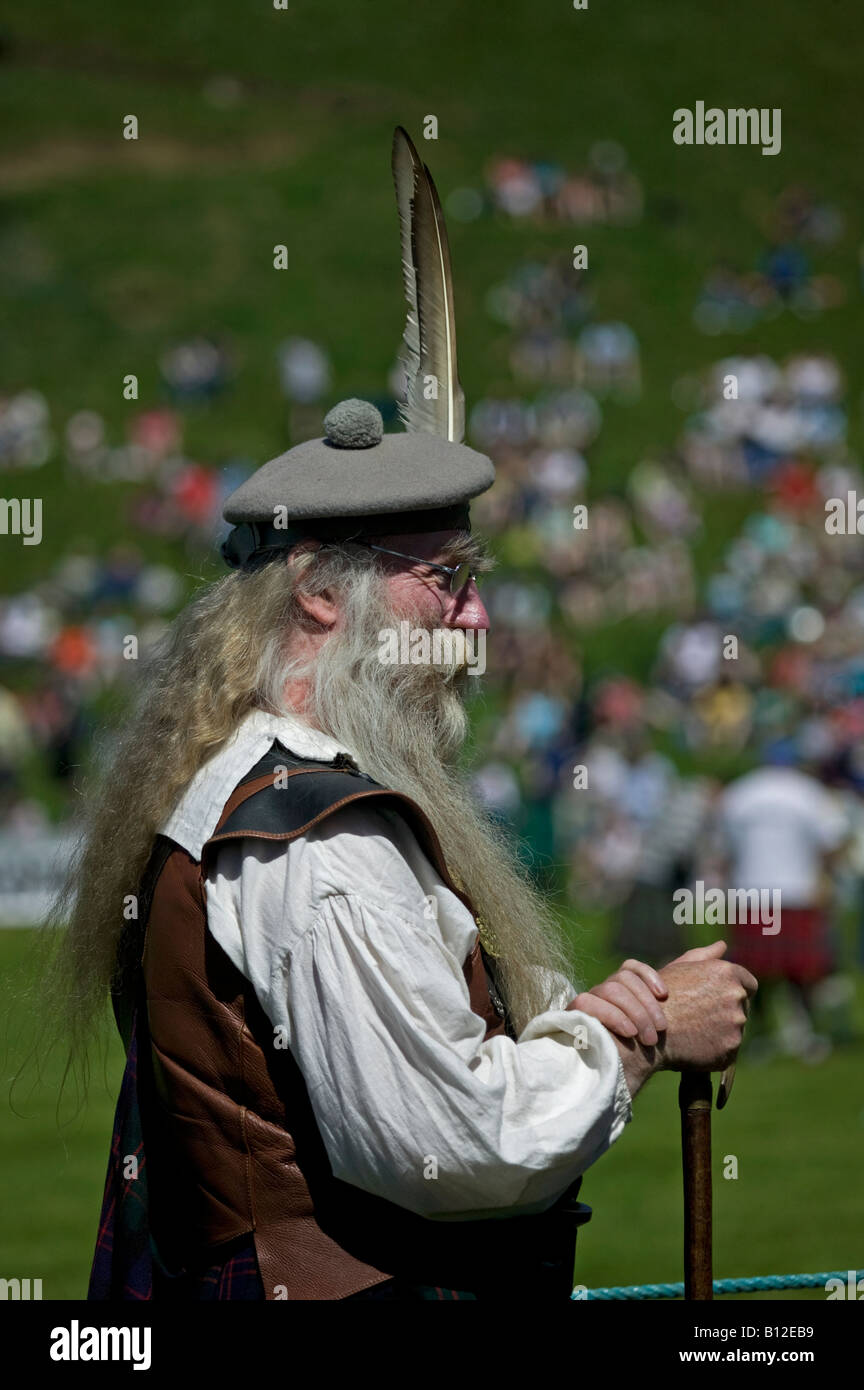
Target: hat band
(253, 542)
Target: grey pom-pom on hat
(357, 471)
(353, 424)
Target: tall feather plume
(429, 340)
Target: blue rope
(721, 1286)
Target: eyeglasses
(460, 575)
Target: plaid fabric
(126, 1265)
(123, 1263)
(235, 1277)
(801, 951)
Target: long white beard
(406, 725)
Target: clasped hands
(711, 1000)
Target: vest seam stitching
(247, 1166)
(301, 830)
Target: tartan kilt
(802, 951)
(234, 1275)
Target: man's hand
(626, 1003)
(706, 1010)
(703, 1016)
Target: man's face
(417, 590)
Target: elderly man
(356, 1064)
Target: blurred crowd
(733, 301)
(614, 770)
(756, 660)
(605, 191)
(760, 657)
(63, 639)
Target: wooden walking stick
(694, 1099)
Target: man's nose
(467, 610)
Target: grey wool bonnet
(356, 480)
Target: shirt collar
(295, 734)
(195, 816)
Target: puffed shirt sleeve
(364, 982)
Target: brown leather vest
(233, 1147)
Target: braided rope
(755, 1285)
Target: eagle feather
(434, 400)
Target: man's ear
(320, 607)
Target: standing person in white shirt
(783, 830)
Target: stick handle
(694, 1099)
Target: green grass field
(797, 1131)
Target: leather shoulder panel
(295, 796)
(284, 796)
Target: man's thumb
(712, 952)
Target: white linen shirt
(354, 947)
(779, 823)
